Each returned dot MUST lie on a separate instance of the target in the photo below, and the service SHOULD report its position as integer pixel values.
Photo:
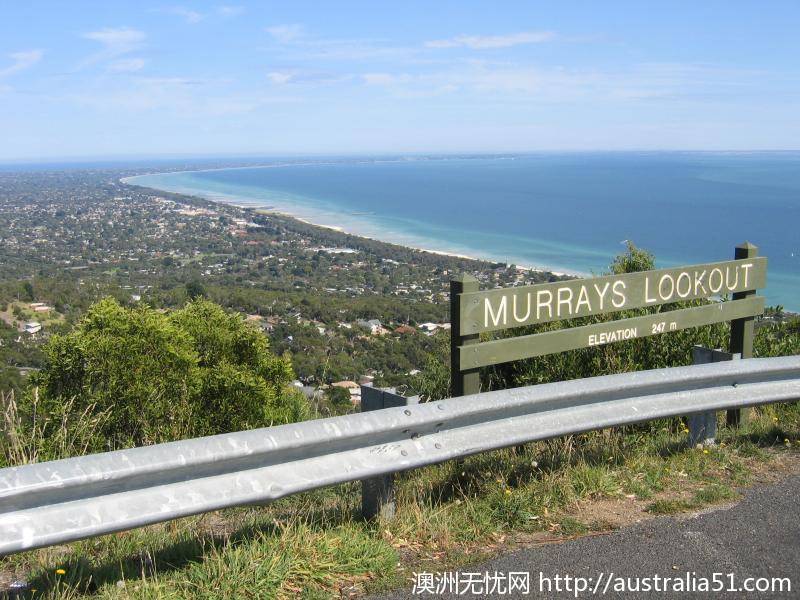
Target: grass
(47, 319)
(713, 493)
(314, 545)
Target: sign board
(474, 312)
(515, 307)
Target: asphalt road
(757, 538)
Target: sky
(111, 79)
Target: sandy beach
(237, 202)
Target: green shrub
(241, 383)
(163, 376)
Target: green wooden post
(742, 333)
(462, 383)
(703, 426)
(377, 493)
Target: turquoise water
(566, 212)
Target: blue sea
(564, 212)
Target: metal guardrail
(65, 500)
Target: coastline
(417, 234)
(334, 227)
(314, 163)
(340, 229)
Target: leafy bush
(241, 383)
(340, 398)
(164, 376)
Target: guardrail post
(462, 383)
(703, 426)
(742, 333)
(377, 493)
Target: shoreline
(337, 228)
(342, 230)
(316, 164)
(306, 211)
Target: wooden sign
(474, 312)
(493, 310)
(598, 334)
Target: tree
(197, 371)
(339, 397)
(195, 289)
(134, 363)
(27, 291)
(632, 260)
(242, 384)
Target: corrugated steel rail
(65, 500)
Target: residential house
(33, 327)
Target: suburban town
(349, 310)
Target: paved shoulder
(750, 549)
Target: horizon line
(114, 158)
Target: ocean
(569, 212)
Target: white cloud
(170, 81)
(193, 17)
(227, 10)
(22, 60)
(299, 45)
(385, 79)
(642, 83)
(116, 41)
(307, 77)
(279, 77)
(480, 42)
(405, 85)
(127, 65)
(285, 33)
(189, 15)
(183, 98)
